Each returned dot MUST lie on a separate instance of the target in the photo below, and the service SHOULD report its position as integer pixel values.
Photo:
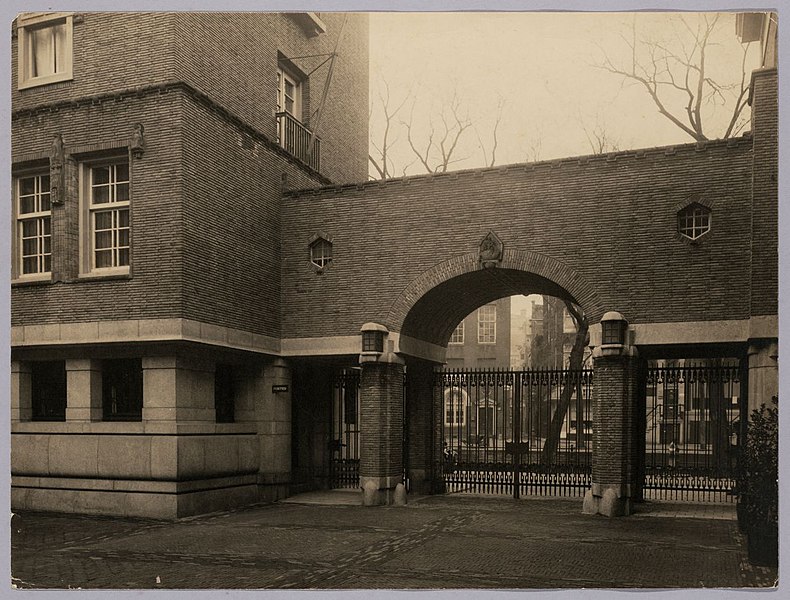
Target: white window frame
(455, 400)
(284, 77)
(323, 258)
(694, 221)
(457, 336)
(26, 25)
(17, 270)
(88, 210)
(486, 325)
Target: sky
(541, 67)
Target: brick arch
(432, 305)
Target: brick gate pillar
(617, 445)
(381, 425)
(422, 442)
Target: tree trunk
(574, 364)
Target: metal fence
(516, 432)
(695, 421)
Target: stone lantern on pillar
(617, 443)
(381, 419)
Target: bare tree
(436, 152)
(382, 161)
(575, 363)
(599, 138)
(677, 77)
(494, 141)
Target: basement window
(694, 221)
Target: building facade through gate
(202, 271)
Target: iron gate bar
(495, 424)
(344, 442)
(694, 420)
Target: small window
(107, 217)
(33, 232)
(458, 334)
(486, 324)
(122, 389)
(321, 252)
(694, 221)
(48, 390)
(224, 394)
(44, 49)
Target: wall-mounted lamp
(373, 336)
(614, 328)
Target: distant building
(482, 339)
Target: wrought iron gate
(516, 432)
(696, 415)
(344, 443)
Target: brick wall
(154, 289)
(608, 223)
(765, 211)
(111, 52)
(231, 223)
(213, 48)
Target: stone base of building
(128, 498)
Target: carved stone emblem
(491, 249)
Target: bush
(759, 483)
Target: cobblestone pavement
(434, 542)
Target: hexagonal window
(694, 221)
(321, 252)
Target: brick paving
(450, 541)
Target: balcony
(296, 139)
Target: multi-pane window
(694, 221)
(108, 214)
(288, 94)
(224, 394)
(321, 252)
(486, 324)
(44, 49)
(48, 390)
(122, 389)
(454, 408)
(34, 225)
(457, 336)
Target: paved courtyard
(451, 541)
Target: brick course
(603, 228)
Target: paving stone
(449, 541)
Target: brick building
(198, 258)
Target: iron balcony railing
(299, 141)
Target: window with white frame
(33, 230)
(457, 336)
(106, 217)
(44, 48)
(694, 221)
(486, 324)
(289, 94)
(321, 252)
(455, 407)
